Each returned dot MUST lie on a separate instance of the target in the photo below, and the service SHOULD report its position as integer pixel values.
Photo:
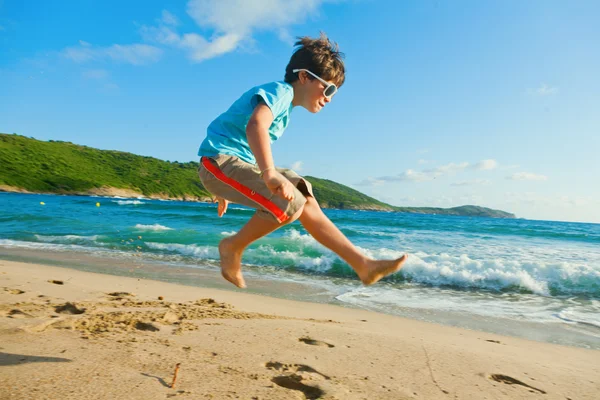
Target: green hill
(31, 165)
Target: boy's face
(314, 98)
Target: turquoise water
(510, 270)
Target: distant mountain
(30, 165)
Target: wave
(63, 238)
(44, 245)
(155, 227)
(579, 317)
(544, 278)
(126, 202)
(202, 252)
(297, 251)
(426, 303)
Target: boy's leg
(325, 232)
(231, 248)
(231, 180)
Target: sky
(446, 103)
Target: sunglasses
(330, 88)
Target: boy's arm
(257, 132)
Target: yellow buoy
(42, 203)
(97, 204)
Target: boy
(236, 163)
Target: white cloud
(169, 19)
(232, 22)
(543, 90)
(78, 54)
(430, 174)
(446, 169)
(485, 165)
(197, 47)
(95, 74)
(285, 36)
(136, 54)
(526, 176)
(297, 166)
(242, 17)
(408, 176)
(474, 182)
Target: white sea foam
(228, 233)
(44, 246)
(72, 238)
(464, 271)
(202, 252)
(574, 315)
(425, 302)
(495, 272)
(304, 240)
(268, 254)
(155, 227)
(127, 202)
(240, 209)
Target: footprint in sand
(18, 314)
(512, 381)
(14, 291)
(293, 382)
(292, 376)
(314, 342)
(120, 295)
(69, 308)
(146, 326)
(293, 368)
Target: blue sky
(493, 103)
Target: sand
(67, 334)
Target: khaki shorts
(240, 182)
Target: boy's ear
(303, 76)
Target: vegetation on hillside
(67, 168)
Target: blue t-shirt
(227, 133)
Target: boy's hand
(279, 184)
(222, 207)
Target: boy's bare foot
(377, 269)
(231, 263)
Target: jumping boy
(237, 166)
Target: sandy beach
(68, 334)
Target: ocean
(534, 279)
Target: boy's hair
(320, 56)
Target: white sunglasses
(330, 88)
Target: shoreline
(302, 290)
(253, 346)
